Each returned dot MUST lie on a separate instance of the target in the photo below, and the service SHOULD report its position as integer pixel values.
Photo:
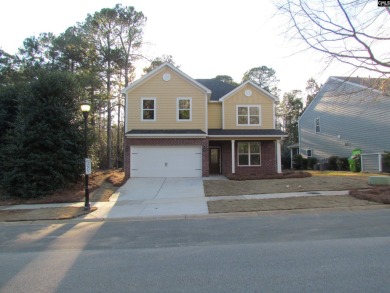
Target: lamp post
(85, 108)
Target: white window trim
(177, 109)
(249, 153)
(248, 124)
(154, 109)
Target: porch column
(233, 159)
(278, 156)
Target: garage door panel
(166, 161)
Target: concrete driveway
(156, 197)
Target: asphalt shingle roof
(217, 87)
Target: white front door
(166, 161)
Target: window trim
(154, 109)
(317, 125)
(249, 153)
(248, 115)
(178, 110)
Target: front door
(215, 161)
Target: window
(249, 153)
(148, 109)
(308, 153)
(248, 115)
(184, 109)
(318, 129)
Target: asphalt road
(345, 251)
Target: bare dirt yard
(102, 184)
(361, 194)
(317, 182)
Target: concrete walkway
(162, 197)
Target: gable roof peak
(159, 69)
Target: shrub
(311, 162)
(332, 161)
(297, 162)
(342, 164)
(386, 159)
(304, 163)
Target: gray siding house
(347, 113)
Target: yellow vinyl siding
(166, 94)
(215, 115)
(257, 98)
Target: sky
(205, 37)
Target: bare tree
(353, 32)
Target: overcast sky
(205, 37)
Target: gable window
(148, 109)
(318, 128)
(248, 115)
(249, 153)
(184, 109)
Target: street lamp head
(85, 108)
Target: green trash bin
(353, 165)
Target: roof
(211, 132)
(380, 84)
(267, 94)
(247, 132)
(160, 68)
(152, 132)
(217, 87)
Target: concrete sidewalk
(163, 198)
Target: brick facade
(167, 142)
(268, 159)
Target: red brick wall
(168, 142)
(268, 159)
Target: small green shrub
(342, 164)
(311, 162)
(304, 163)
(297, 162)
(332, 161)
(386, 159)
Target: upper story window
(148, 109)
(248, 115)
(184, 109)
(318, 128)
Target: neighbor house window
(318, 129)
(184, 109)
(249, 153)
(308, 153)
(148, 109)
(248, 115)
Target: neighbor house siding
(350, 116)
(257, 98)
(215, 115)
(166, 94)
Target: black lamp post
(85, 108)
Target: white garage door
(166, 161)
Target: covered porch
(248, 152)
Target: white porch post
(233, 159)
(380, 162)
(279, 156)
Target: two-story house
(347, 113)
(177, 126)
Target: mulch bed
(284, 175)
(380, 194)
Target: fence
(372, 162)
